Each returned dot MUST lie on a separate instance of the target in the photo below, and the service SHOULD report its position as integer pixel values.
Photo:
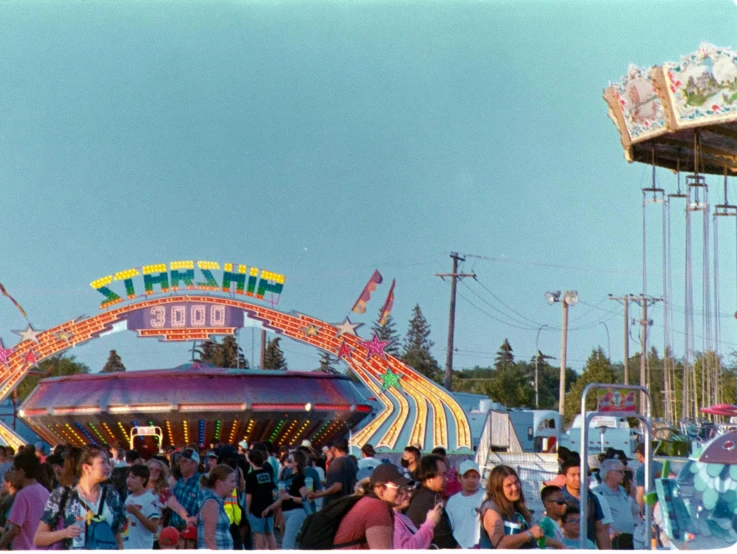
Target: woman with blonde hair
(505, 520)
(213, 527)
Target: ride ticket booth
(618, 401)
(149, 440)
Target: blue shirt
(189, 495)
(223, 538)
(591, 518)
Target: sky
(323, 140)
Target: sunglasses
(397, 487)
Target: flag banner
(388, 304)
(5, 293)
(616, 400)
(360, 306)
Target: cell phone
(438, 500)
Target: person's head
(138, 476)
(189, 462)
(440, 451)
(505, 490)
(327, 451)
(553, 501)
(9, 451)
(387, 484)
(256, 458)
(410, 457)
(640, 452)
(56, 461)
(158, 474)
(297, 461)
(432, 473)
(221, 480)
(309, 453)
(470, 476)
(571, 522)
(211, 460)
(339, 447)
(3, 454)
(132, 457)
(27, 466)
(10, 482)
(367, 451)
(571, 469)
(117, 451)
(612, 472)
(89, 463)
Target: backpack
(98, 534)
(319, 529)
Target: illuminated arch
(444, 416)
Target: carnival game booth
(199, 404)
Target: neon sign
(236, 279)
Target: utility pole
(451, 320)
(644, 302)
(626, 301)
(263, 349)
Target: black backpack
(318, 530)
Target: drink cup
(281, 486)
(308, 484)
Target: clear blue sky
(323, 140)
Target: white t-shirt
(135, 535)
(463, 512)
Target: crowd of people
(241, 497)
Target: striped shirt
(223, 538)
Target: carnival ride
(411, 406)
(683, 116)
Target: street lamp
(568, 298)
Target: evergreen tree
(510, 386)
(231, 354)
(327, 363)
(113, 364)
(206, 352)
(598, 369)
(226, 354)
(417, 345)
(504, 357)
(51, 367)
(387, 332)
(274, 357)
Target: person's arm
(332, 489)
(46, 537)
(119, 540)
(150, 524)
(249, 496)
(379, 537)
(273, 506)
(601, 531)
(209, 515)
(641, 498)
(9, 535)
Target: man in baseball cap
(187, 489)
(462, 507)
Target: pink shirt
(408, 537)
(26, 512)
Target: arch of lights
(194, 311)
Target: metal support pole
(563, 348)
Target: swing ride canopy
(682, 116)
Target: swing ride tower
(683, 117)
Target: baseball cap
(468, 465)
(227, 451)
(386, 473)
(168, 536)
(189, 534)
(190, 454)
(243, 445)
(306, 443)
(211, 454)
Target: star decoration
(348, 328)
(390, 379)
(28, 334)
(4, 353)
(30, 358)
(311, 330)
(63, 335)
(345, 351)
(375, 347)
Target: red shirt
(367, 513)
